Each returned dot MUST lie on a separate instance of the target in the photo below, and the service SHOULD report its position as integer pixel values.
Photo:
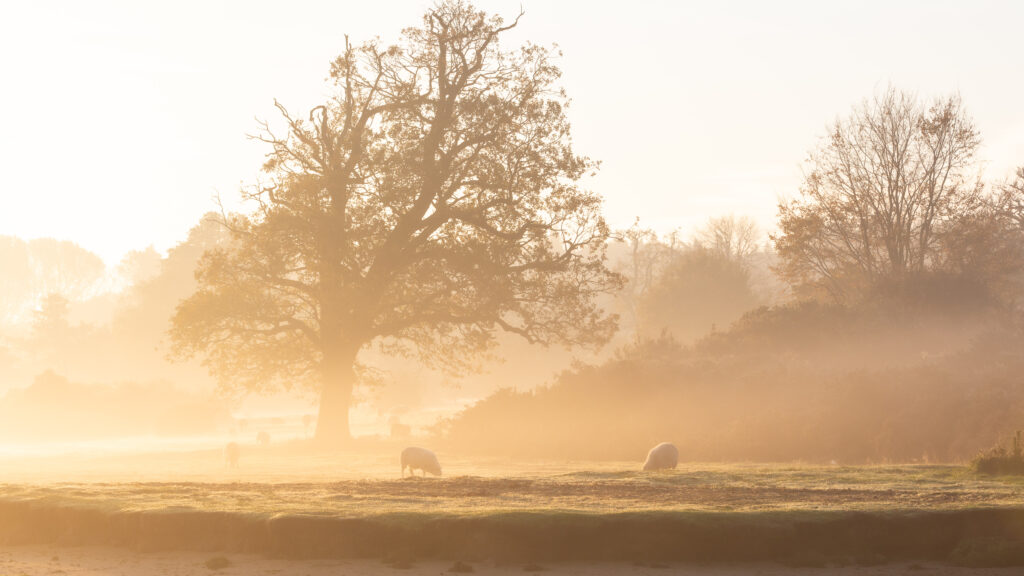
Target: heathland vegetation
(896, 335)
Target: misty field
(283, 481)
(286, 502)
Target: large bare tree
(882, 187)
(430, 203)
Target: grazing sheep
(232, 452)
(664, 456)
(420, 459)
(263, 438)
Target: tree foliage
(731, 237)
(884, 187)
(34, 269)
(1010, 199)
(699, 291)
(641, 264)
(430, 202)
(813, 381)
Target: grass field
(594, 488)
(289, 502)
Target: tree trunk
(332, 427)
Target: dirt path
(98, 561)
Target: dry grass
(536, 512)
(692, 487)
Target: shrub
(999, 460)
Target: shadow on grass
(981, 537)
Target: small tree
(432, 202)
(51, 319)
(50, 331)
(698, 291)
(63, 267)
(646, 258)
(997, 254)
(731, 237)
(882, 187)
(1010, 199)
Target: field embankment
(706, 513)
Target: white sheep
(415, 458)
(662, 457)
(232, 452)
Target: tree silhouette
(885, 185)
(731, 237)
(430, 203)
(700, 290)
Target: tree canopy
(886, 186)
(699, 291)
(432, 201)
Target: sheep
(662, 457)
(263, 438)
(422, 459)
(232, 452)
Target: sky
(121, 122)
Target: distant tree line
(894, 193)
(31, 270)
(890, 329)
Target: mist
(423, 326)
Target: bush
(999, 460)
(809, 382)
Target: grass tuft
(1001, 461)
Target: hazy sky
(121, 120)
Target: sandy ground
(93, 561)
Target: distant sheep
(232, 452)
(664, 456)
(263, 438)
(420, 459)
